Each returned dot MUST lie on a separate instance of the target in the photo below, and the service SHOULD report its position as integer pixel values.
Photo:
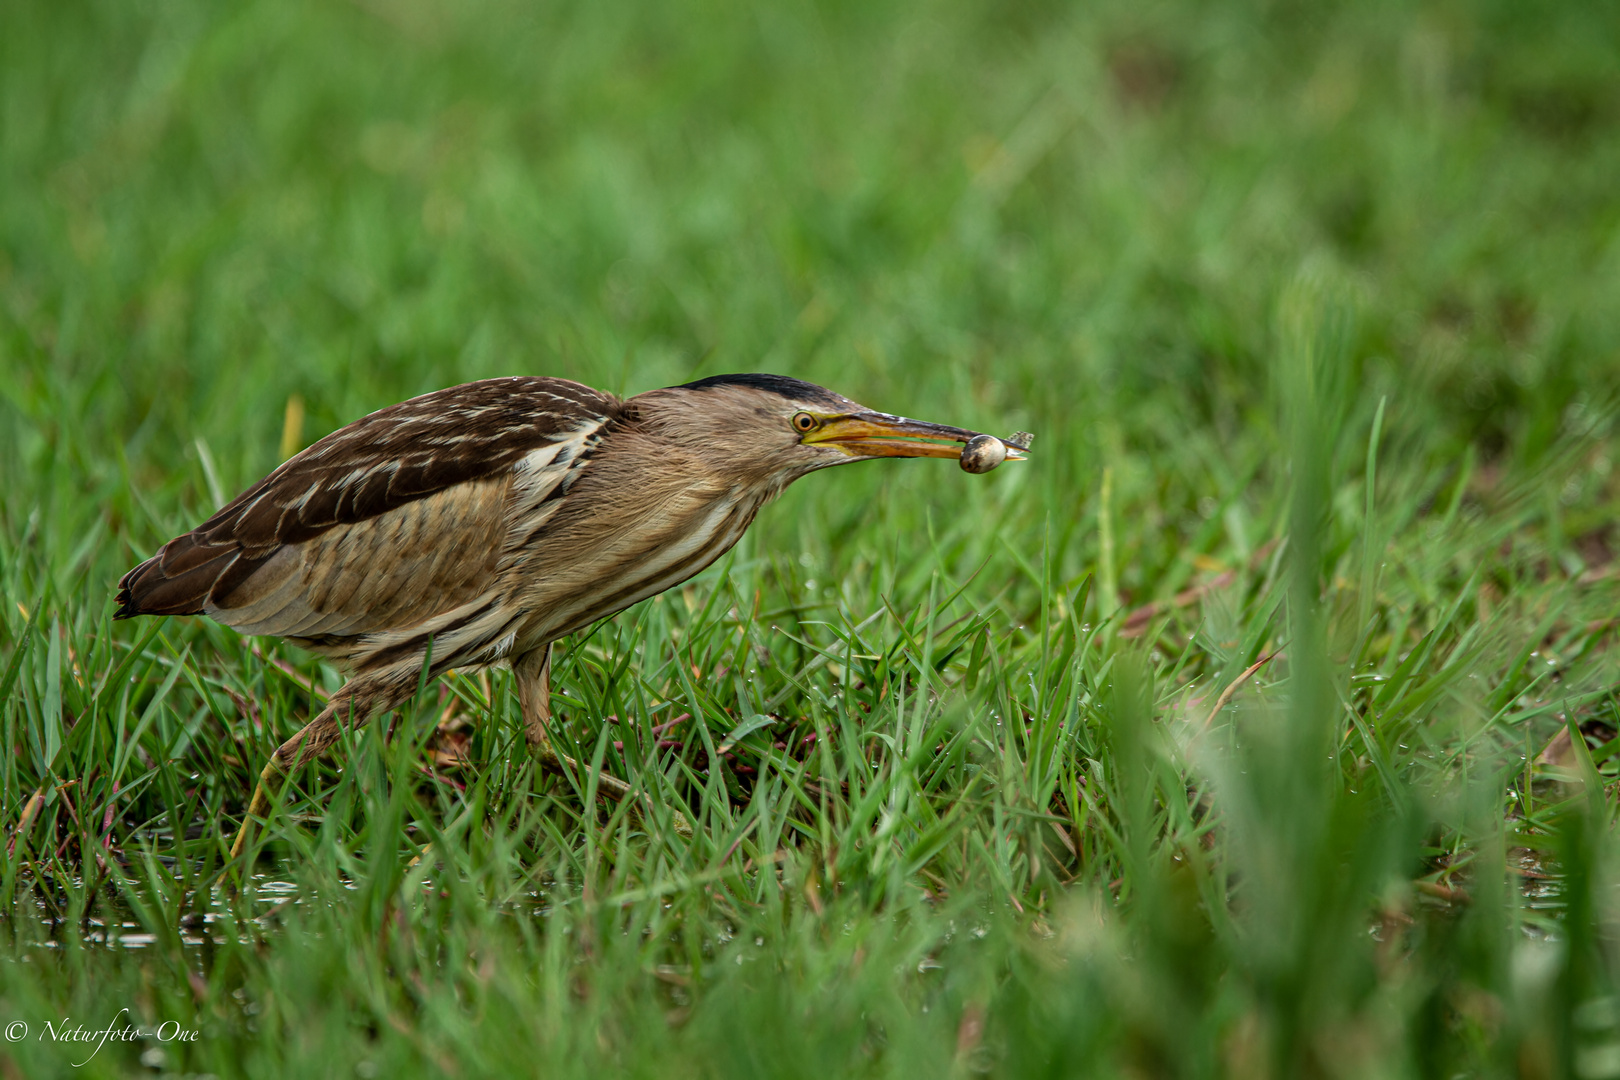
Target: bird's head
(775, 429)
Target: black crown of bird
(474, 526)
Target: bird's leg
(360, 699)
(258, 807)
(533, 673)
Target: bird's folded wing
(385, 522)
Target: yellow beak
(871, 434)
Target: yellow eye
(805, 422)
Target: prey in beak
(874, 434)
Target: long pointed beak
(872, 434)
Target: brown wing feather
(376, 465)
(393, 570)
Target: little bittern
(476, 525)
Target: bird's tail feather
(173, 582)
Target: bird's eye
(805, 422)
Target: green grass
(1312, 310)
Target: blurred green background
(1070, 219)
(1314, 310)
